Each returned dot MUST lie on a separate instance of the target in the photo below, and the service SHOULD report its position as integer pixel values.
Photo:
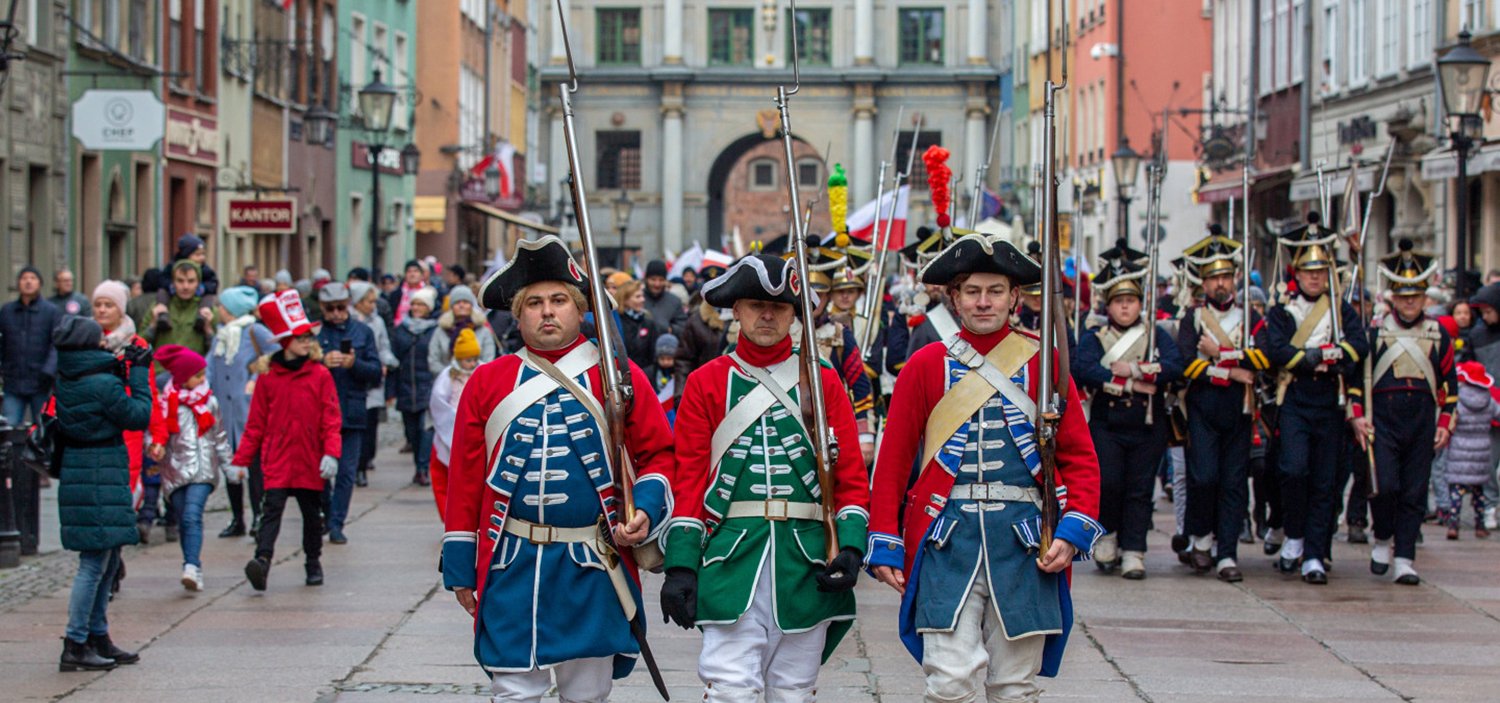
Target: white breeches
(753, 655)
(952, 660)
(578, 681)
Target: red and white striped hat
(282, 313)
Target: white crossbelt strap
(943, 322)
(970, 357)
(1219, 326)
(775, 510)
(1123, 345)
(756, 403)
(1404, 344)
(533, 389)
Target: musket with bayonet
(875, 280)
(1336, 300)
(810, 379)
(1154, 174)
(1246, 339)
(1369, 373)
(614, 373)
(977, 192)
(1052, 386)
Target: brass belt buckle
(546, 531)
(776, 509)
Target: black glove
(138, 355)
(679, 597)
(842, 572)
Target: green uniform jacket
(771, 459)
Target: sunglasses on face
(335, 307)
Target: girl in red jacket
(299, 398)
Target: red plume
(938, 175)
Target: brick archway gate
(747, 189)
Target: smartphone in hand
(346, 346)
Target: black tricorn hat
(536, 260)
(976, 253)
(757, 277)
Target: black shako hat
(757, 277)
(1407, 270)
(536, 260)
(976, 253)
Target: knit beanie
(657, 267)
(427, 295)
(114, 290)
(460, 294)
(181, 362)
(358, 290)
(666, 345)
(187, 263)
(466, 346)
(239, 300)
(283, 277)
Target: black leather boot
(108, 650)
(360, 479)
(255, 572)
(314, 573)
(79, 656)
(236, 528)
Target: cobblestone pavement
(383, 631)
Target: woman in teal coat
(93, 499)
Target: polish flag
(862, 221)
(505, 158)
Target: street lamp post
(622, 207)
(1126, 165)
(1462, 76)
(375, 103)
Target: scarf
(197, 399)
(121, 336)
(227, 341)
(459, 377)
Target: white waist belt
(548, 534)
(776, 509)
(996, 492)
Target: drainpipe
(1304, 135)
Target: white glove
(328, 468)
(236, 474)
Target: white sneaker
(192, 577)
(1491, 521)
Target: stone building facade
(676, 100)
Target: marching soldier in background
(962, 546)
(1314, 352)
(1408, 413)
(888, 355)
(1220, 407)
(1029, 312)
(837, 345)
(745, 550)
(1128, 414)
(938, 323)
(535, 547)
